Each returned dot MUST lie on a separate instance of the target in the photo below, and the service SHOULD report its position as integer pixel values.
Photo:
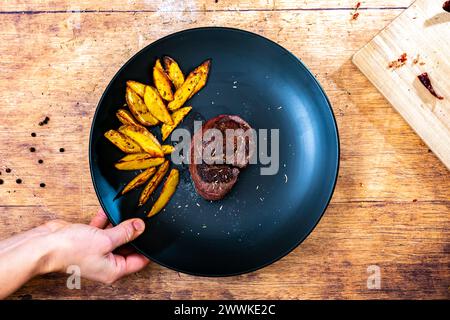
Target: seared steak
(215, 173)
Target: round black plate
(264, 217)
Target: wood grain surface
(417, 32)
(392, 202)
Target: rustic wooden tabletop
(392, 202)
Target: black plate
(263, 218)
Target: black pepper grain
(61, 150)
(40, 161)
(19, 181)
(45, 121)
(33, 134)
(42, 185)
(1, 181)
(32, 149)
(8, 170)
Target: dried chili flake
(400, 62)
(425, 80)
(446, 6)
(355, 13)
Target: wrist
(46, 249)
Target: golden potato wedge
(184, 92)
(153, 183)
(123, 142)
(137, 87)
(162, 82)
(156, 105)
(126, 118)
(173, 71)
(144, 138)
(167, 149)
(203, 69)
(138, 161)
(138, 108)
(177, 117)
(139, 180)
(167, 192)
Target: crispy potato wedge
(137, 87)
(203, 69)
(184, 92)
(167, 192)
(177, 117)
(156, 105)
(138, 161)
(126, 118)
(167, 149)
(153, 183)
(173, 71)
(162, 82)
(144, 138)
(139, 180)
(138, 108)
(123, 142)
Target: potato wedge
(203, 69)
(162, 82)
(139, 180)
(137, 87)
(167, 192)
(123, 142)
(184, 92)
(144, 138)
(156, 105)
(173, 71)
(138, 161)
(177, 117)
(153, 183)
(138, 108)
(126, 118)
(167, 149)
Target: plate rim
(338, 151)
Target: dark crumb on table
(400, 62)
(45, 121)
(40, 161)
(32, 149)
(33, 134)
(42, 185)
(446, 6)
(425, 80)
(355, 16)
(414, 200)
(8, 170)
(18, 181)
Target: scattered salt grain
(221, 207)
(285, 178)
(198, 205)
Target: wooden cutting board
(423, 29)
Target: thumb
(125, 232)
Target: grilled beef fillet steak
(213, 180)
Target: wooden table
(392, 202)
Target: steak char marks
(212, 179)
